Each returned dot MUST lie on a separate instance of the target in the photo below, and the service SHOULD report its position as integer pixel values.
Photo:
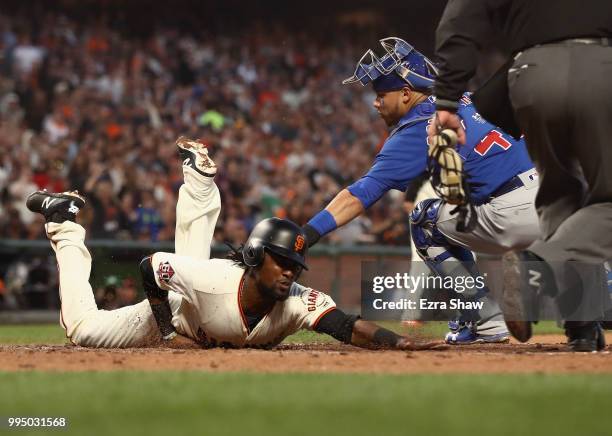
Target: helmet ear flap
(253, 253)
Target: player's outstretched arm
(367, 334)
(343, 208)
(352, 330)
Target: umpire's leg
(564, 105)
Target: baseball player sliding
(248, 300)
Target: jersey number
(494, 137)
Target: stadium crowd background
(94, 94)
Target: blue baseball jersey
(490, 156)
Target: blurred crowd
(85, 106)
(31, 283)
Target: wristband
(312, 236)
(385, 338)
(323, 222)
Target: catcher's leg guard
(448, 260)
(432, 246)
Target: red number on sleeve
(494, 137)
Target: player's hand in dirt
(406, 344)
(181, 342)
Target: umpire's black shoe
(585, 336)
(56, 208)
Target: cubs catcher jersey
(211, 309)
(491, 158)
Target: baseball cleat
(56, 208)
(194, 154)
(466, 335)
(585, 336)
(455, 325)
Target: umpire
(556, 90)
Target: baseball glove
(446, 168)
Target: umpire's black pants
(562, 99)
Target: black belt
(512, 184)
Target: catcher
(248, 300)
(500, 182)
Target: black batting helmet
(281, 237)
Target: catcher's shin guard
(450, 262)
(432, 246)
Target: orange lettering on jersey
(299, 243)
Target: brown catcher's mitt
(447, 176)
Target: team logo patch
(313, 299)
(299, 243)
(165, 272)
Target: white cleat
(194, 154)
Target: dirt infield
(544, 354)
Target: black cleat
(585, 336)
(194, 154)
(56, 208)
(601, 337)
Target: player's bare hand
(406, 344)
(181, 342)
(445, 120)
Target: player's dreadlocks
(236, 255)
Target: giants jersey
(211, 310)
(491, 157)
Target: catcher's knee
(430, 243)
(426, 212)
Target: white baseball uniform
(204, 293)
